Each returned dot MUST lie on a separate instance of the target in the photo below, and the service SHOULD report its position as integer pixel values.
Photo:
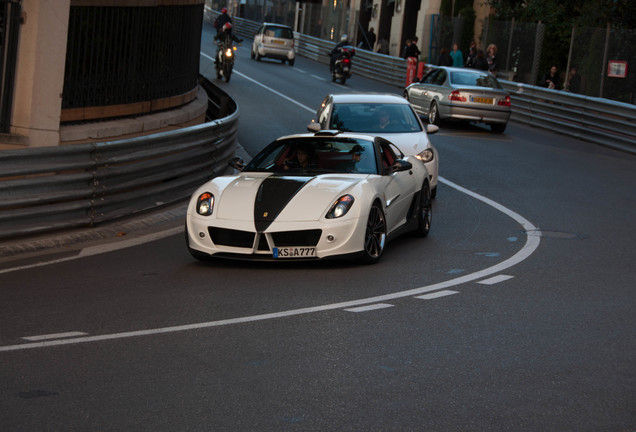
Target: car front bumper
(241, 241)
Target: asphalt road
(515, 314)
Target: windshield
(279, 32)
(473, 79)
(316, 155)
(374, 118)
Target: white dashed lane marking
(495, 279)
(437, 294)
(370, 307)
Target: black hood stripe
(272, 197)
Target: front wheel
(433, 114)
(343, 80)
(424, 211)
(227, 71)
(375, 235)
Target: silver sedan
(447, 93)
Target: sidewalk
(15, 252)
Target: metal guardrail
(368, 64)
(601, 121)
(54, 188)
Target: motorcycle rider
(223, 38)
(221, 20)
(344, 41)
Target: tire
(434, 192)
(258, 56)
(375, 235)
(343, 80)
(291, 62)
(424, 211)
(498, 127)
(282, 61)
(433, 114)
(227, 72)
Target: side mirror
(431, 129)
(313, 127)
(399, 165)
(236, 163)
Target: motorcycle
(342, 66)
(224, 59)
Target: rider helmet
(344, 38)
(224, 10)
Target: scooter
(225, 60)
(342, 66)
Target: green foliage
(560, 16)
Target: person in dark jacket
(574, 81)
(444, 58)
(480, 61)
(412, 50)
(221, 20)
(551, 79)
(344, 41)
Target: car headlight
(205, 204)
(340, 207)
(426, 156)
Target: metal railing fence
(366, 63)
(54, 188)
(601, 121)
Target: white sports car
(312, 196)
(390, 116)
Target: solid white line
(370, 307)
(494, 280)
(305, 107)
(437, 295)
(532, 243)
(277, 93)
(54, 336)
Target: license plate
(482, 100)
(294, 252)
(279, 42)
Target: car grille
(230, 237)
(297, 238)
(245, 239)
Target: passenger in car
(304, 158)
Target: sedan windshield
(374, 118)
(316, 156)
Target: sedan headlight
(426, 156)
(340, 207)
(205, 204)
